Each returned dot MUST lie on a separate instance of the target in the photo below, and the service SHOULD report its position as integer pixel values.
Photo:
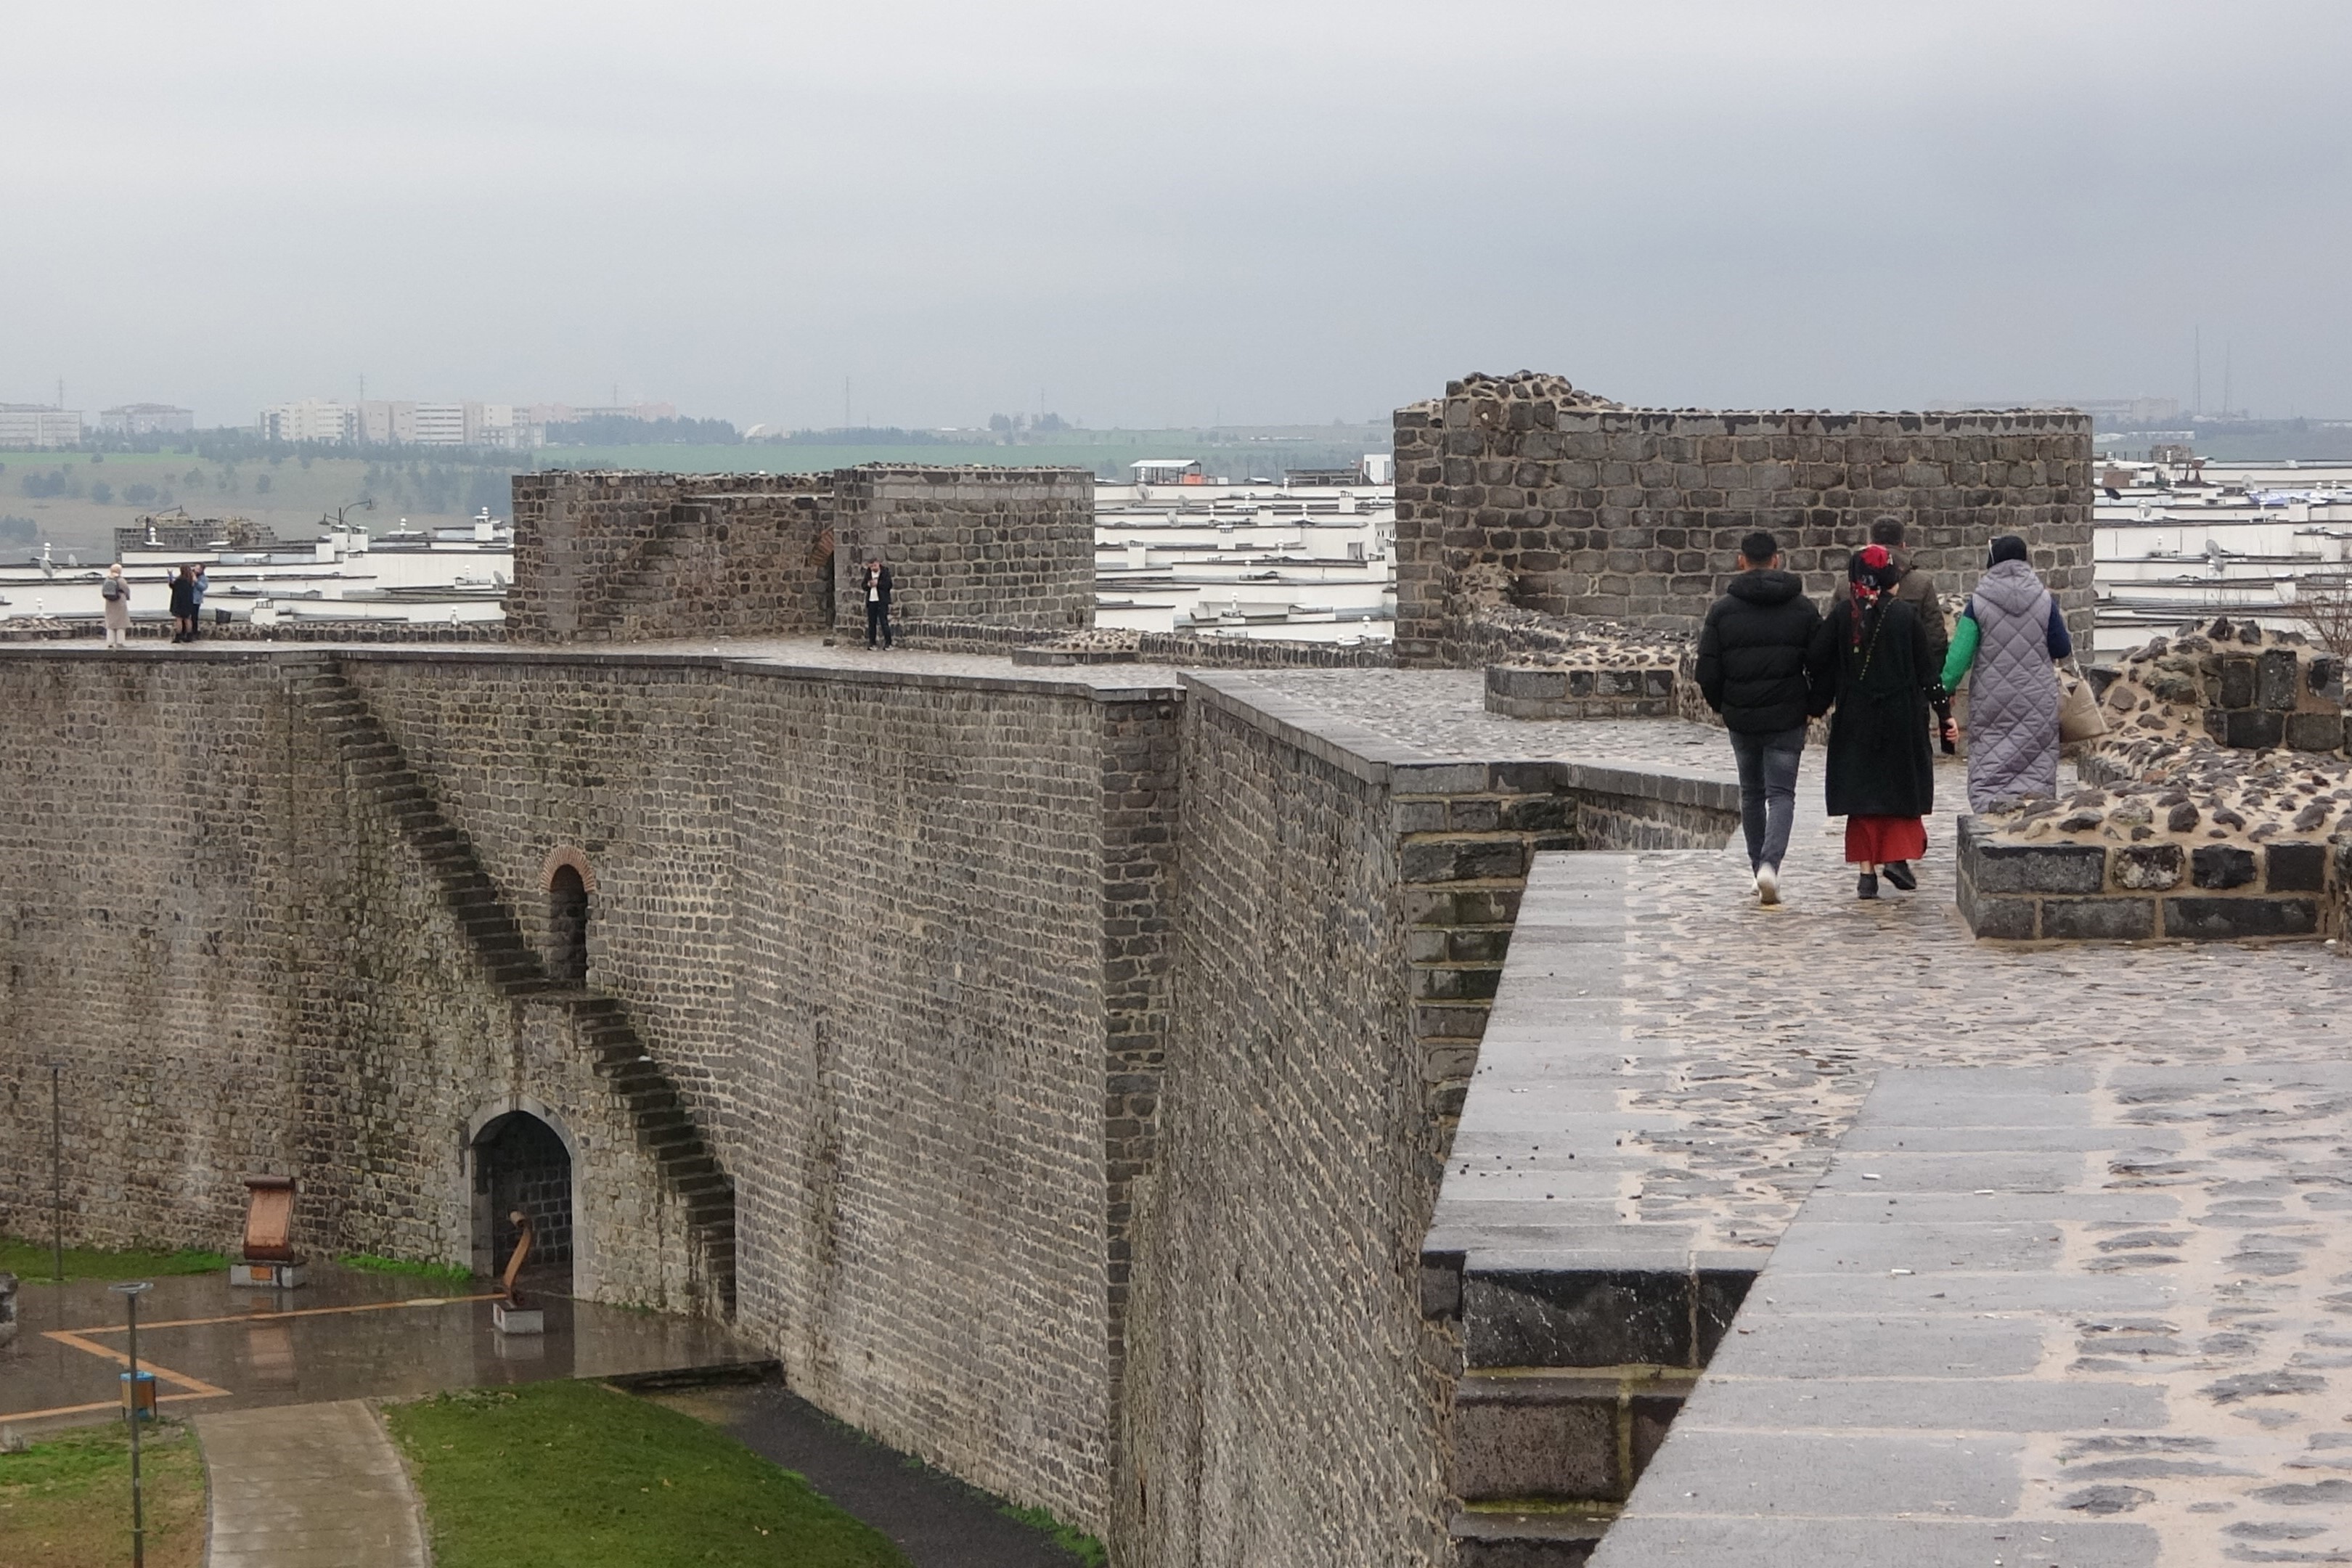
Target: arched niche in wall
(569, 880)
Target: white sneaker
(1768, 884)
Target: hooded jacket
(1751, 652)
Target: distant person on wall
(183, 605)
(115, 594)
(1870, 662)
(196, 603)
(1918, 591)
(2011, 638)
(1752, 656)
(878, 603)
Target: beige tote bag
(2079, 718)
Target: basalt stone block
(2098, 920)
(2315, 731)
(2149, 868)
(2222, 866)
(2324, 676)
(2237, 683)
(2224, 919)
(2296, 867)
(2275, 680)
(2038, 868)
(1578, 1317)
(1993, 919)
(1527, 685)
(2245, 729)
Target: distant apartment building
(384, 424)
(379, 422)
(545, 413)
(38, 424)
(146, 419)
(312, 419)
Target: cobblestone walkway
(2079, 1315)
(309, 1486)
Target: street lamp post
(57, 1175)
(131, 1294)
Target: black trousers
(877, 621)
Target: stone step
(1567, 1434)
(1484, 1539)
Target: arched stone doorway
(522, 1162)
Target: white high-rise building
(312, 419)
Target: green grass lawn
(439, 1273)
(31, 1261)
(66, 1502)
(577, 1474)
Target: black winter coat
(1879, 762)
(1752, 653)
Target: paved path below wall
(309, 1486)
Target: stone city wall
(1283, 1395)
(244, 970)
(1636, 514)
(1098, 1184)
(633, 557)
(619, 556)
(1012, 547)
(842, 912)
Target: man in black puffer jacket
(1751, 669)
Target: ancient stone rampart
(618, 556)
(634, 557)
(1011, 547)
(1637, 513)
(886, 970)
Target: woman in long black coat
(1869, 659)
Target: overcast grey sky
(1174, 212)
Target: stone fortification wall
(914, 950)
(897, 939)
(1636, 514)
(615, 556)
(842, 911)
(1283, 1395)
(634, 557)
(245, 969)
(1011, 547)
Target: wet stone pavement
(2106, 1317)
(343, 1335)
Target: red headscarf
(1869, 573)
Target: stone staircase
(644, 579)
(1544, 1456)
(664, 1126)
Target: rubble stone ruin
(1259, 1108)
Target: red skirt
(1875, 840)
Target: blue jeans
(1767, 791)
